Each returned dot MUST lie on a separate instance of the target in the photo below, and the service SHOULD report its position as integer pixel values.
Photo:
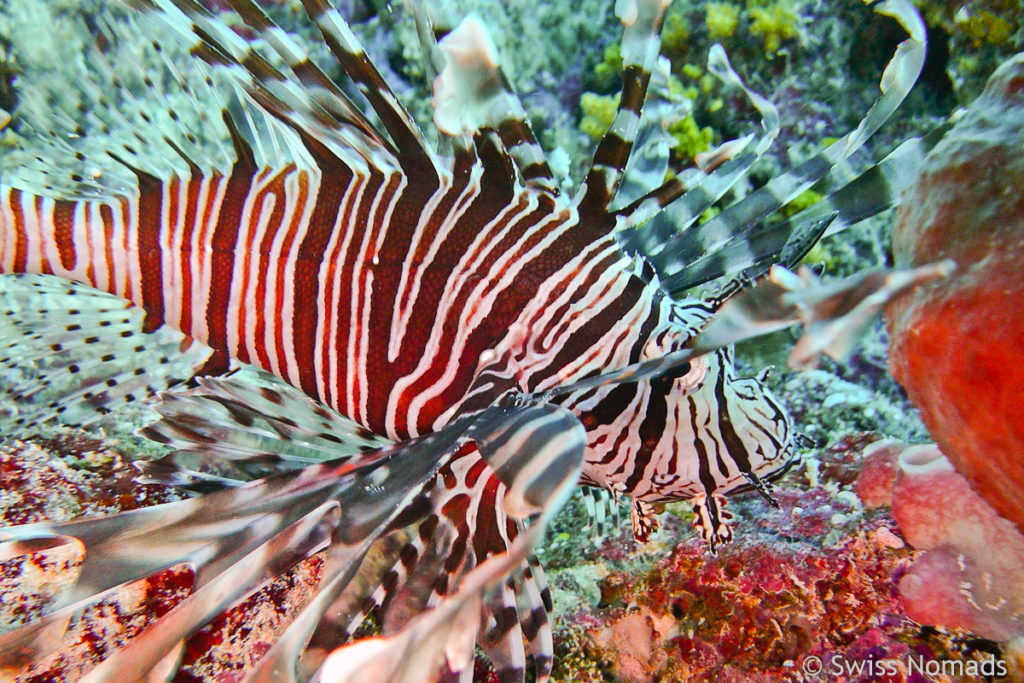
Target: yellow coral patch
(692, 71)
(610, 67)
(722, 18)
(691, 138)
(675, 35)
(775, 22)
(983, 26)
(598, 112)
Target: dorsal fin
(736, 238)
(318, 85)
(641, 40)
(113, 108)
(750, 252)
(304, 99)
(643, 229)
(244, 155)
(413, 152)
(473, 97)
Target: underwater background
(881, 558)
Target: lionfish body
(401, 303)
(411, 290)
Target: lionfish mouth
(383, 285)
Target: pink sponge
(970, 579)
(878, 473)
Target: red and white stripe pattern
(326, 282)
(95, 243)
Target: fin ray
(641, 40)
(256, 422)
(736, 222)
(90, 362)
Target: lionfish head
(696, 432)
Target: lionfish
(448, 342)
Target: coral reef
(72, 474)
(775, 23)
(722, 19)
(598, 112)
(819, 577)
(691, 139)
(958, 346)
(68, 474)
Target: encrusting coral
(776, 23)
(722, 19)
(819, 577)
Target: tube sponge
(969, 578)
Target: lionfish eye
(671, 375)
